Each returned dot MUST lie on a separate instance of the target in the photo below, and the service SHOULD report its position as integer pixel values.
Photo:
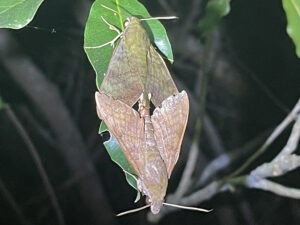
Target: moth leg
(112, 27)
(112, 42)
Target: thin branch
(271, 186)
(284, 161)
(277, 167)
(225, 159)
(292, 143)
(185, 181)
(36, 158)
(13, 204)
(278, 130)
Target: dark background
(253, 83)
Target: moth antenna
(187, 207)
(114, 11)
(160, 18)
(133, 210)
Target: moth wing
(159, 81)
(169, 122)
(126, 126)
(122, 81)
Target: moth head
(130, 20)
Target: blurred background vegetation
(247, 67)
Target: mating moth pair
(151, 143)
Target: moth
(135, 67)
(151, 143)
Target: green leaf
(102, 127)
(117, 155)
(214, 11)
(97, 33)
(16, 14)
(292, 10)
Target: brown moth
(150, 143)
(135, 67)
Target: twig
(293, 139)
(284, 161)
(277, 167)
(278, 130)
(224, 160)
(36, 158)
(281, 164)
(271, 186)
(12, 202)
(188, 170)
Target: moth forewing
(135, 67)
(136, 138)
(126, 126)
(169, 122)
(159, 81)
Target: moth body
(154, 178)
